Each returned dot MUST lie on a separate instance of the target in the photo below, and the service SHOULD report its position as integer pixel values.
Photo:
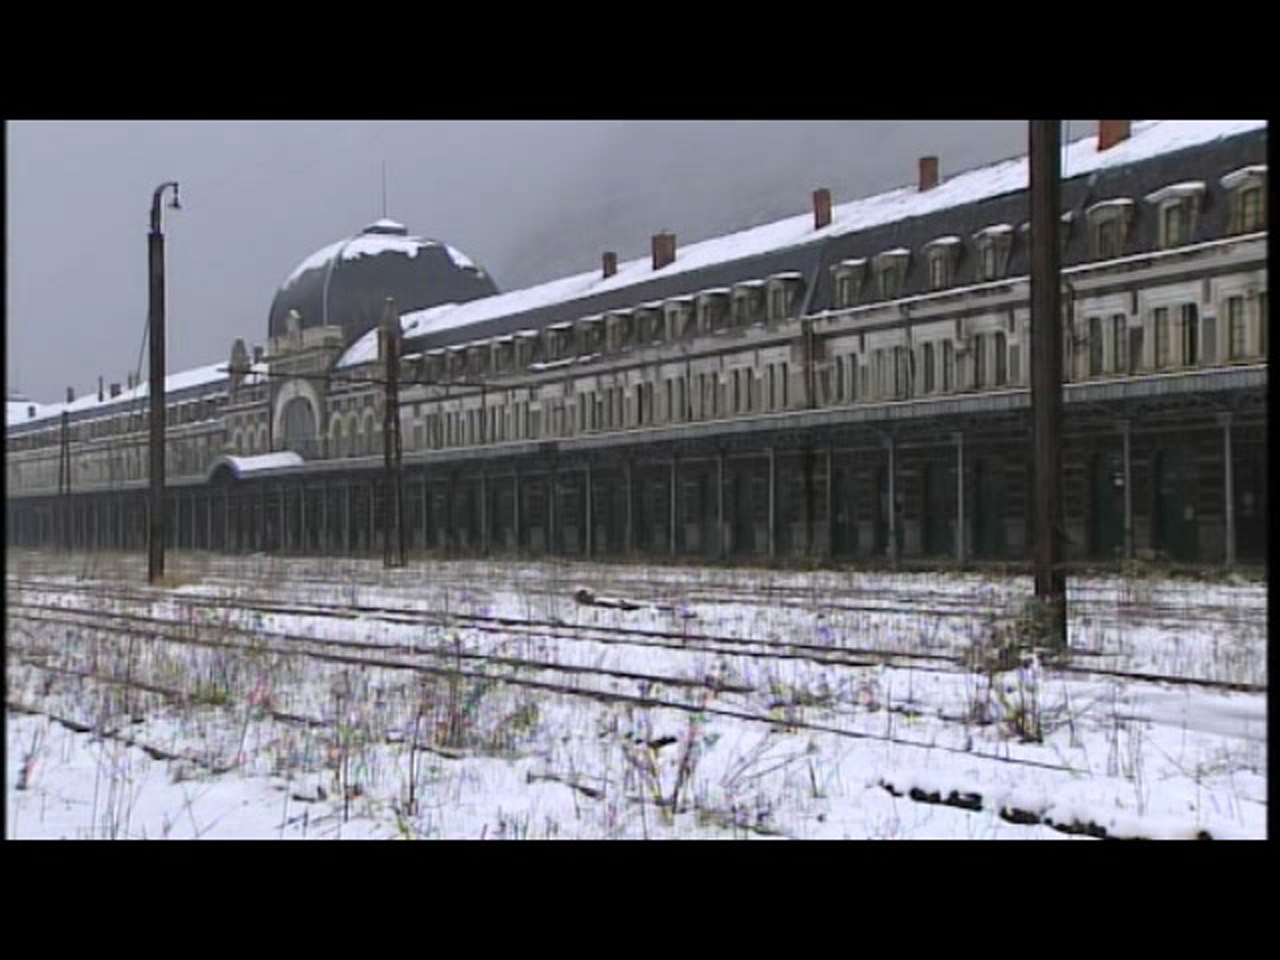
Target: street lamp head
(155, 203)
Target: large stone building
(849, 383)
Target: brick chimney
(664, 249)
(101, 396)
(609, 264)
(821, 208)
(1111, 132)
(928, 173)
(71, 394)
(115, 390)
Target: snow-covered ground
(260, 697)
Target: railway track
(1094, 602)
(178, 617)
(701, 705)
(559, 630)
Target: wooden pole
(1046, 376)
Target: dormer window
(1248, 187)
(434, 363)
(939, 271)
(713, 310)
(591, 334)
(891, 271)
(1174, 225)
(1249, 204)
(456, 363)
(748, 303)
(621, 330)
(782, 290)
(560, 340)
(478, 355)
(1065, 223)
(504, 354)
(528, 347)
(648, 324)
(1109, 227)
(993, 244)
(942, 254)
(988, 261)
(849, 277)
(1177, 205)
(681, 320)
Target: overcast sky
(528, 200)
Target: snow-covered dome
(346, 283)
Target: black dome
(346, 284)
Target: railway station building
(849, 385)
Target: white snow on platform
(826, 742)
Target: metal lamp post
(155, 322)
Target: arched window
(299, 422)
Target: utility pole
(64, 482)
(155, 323)
(1046, 378)
(392, 503)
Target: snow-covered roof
(242, 466)
(853, 262)
(948, 241)
(1117, 203)
(1190, 188)
(315, 261)
(895, 252)
(183, 380)
(1236, 177)
(460, 258)
(995, 230)
(1147, 139)
(370, 245)
(381, 236)
(20, 411)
